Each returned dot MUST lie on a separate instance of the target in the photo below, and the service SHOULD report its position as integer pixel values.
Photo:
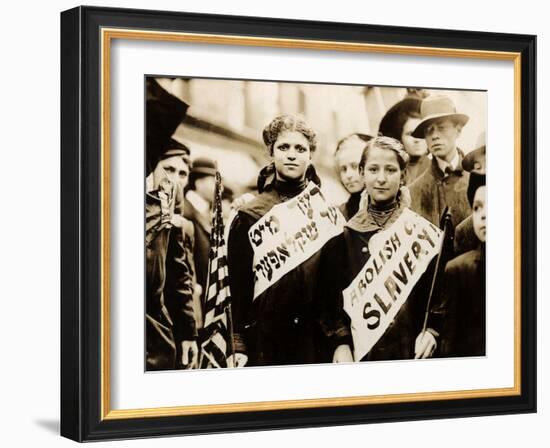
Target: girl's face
(382, 175)
(416, 147)
(347, 162)
(291, 155)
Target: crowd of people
(395, 272)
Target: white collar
(453, 164)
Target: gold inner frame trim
(107, 35)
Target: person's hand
(342, 354)
(237, 360)
(189, 354)
(197, 290)
(424, 345)
(177, 220)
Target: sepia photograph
(272, 223)
(276, 224)
(296, 223)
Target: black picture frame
(82, 211)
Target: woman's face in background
(347, 164)
(172, 168)
(291, 155)
(382, 175)
(416, 147)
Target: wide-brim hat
(434, 108)
(391, 124)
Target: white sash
(290, 233)
(399, 256)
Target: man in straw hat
(445, 183)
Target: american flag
(216, 345)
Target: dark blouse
(351, 206)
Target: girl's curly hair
(290, 123)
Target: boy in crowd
(463, 295)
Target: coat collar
(261, 204)
(271, 192)
(479, 253)
(452, 165)
(438, 172)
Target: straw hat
(434, 108)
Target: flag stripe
(216, 338)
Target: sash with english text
(399, 257)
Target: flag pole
(446, 221)
(231, 334)
(202, 337)
(229, 307)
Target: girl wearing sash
(279, 325)
(395, 325)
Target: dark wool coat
(201, 224)
(169, 288)
(463, 305)
(282, 325)
(434, 190)
(416, 168)
(465, 237)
